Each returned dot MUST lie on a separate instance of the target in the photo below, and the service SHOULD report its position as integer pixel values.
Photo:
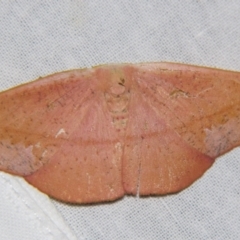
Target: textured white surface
(41, 37)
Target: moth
(94, 135)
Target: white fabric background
(41, 37)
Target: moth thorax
(117, 99)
